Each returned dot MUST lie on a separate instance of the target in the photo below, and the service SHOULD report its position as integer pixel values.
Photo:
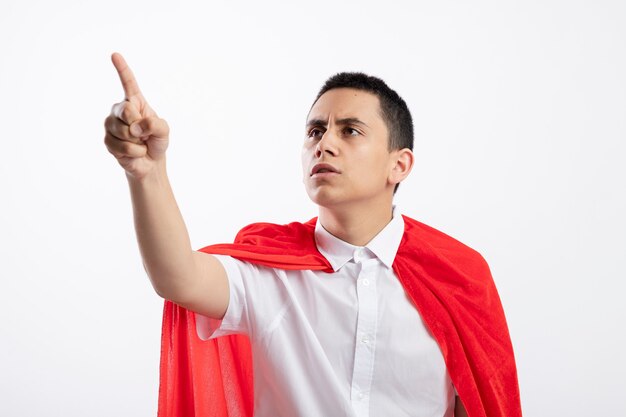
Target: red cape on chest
(449, 283)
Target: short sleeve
(235, 319)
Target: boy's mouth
(324, 169)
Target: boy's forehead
(343, 103)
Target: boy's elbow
(166, 290)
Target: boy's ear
(401, 164)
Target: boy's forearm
(161, 233)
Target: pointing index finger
(131, 88)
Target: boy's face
(345, 130)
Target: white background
(519, 111)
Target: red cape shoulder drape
(450, 284)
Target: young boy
(361, 311)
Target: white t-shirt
(348, 343)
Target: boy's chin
(327, 199)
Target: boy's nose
(326, 144)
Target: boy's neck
(356, 224)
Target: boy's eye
(313, 132)
(351, 131)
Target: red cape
(449, 282)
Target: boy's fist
(134, 134)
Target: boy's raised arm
(138, 139)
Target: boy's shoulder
(425, 239)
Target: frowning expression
(345, 156)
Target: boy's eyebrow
(344, 121)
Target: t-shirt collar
(384, 245)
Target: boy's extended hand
(134, 134)
(194, 280)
